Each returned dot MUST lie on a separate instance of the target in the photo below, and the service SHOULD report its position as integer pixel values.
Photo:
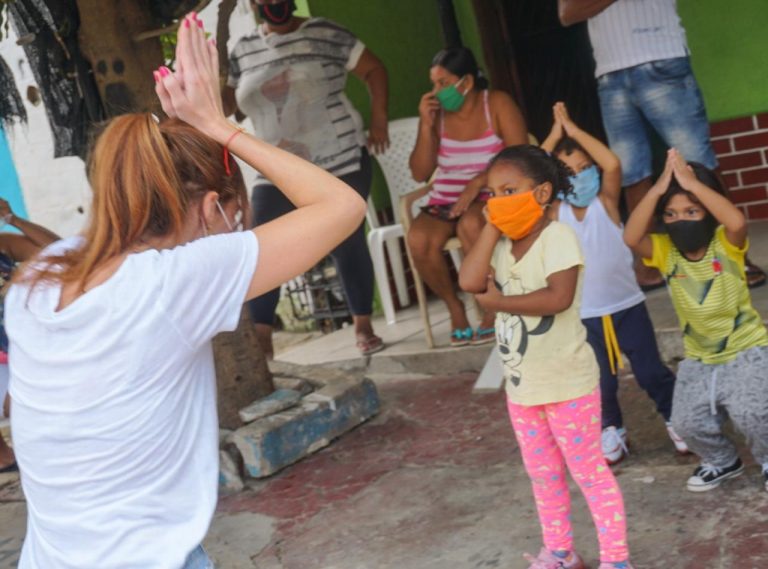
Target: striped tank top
(458, 161)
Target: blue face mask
(586, 186)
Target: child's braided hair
(538, 165)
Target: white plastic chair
(397, 173)
(409, 209)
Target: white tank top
(609, 280)
(631, 32)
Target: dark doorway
(530, 54)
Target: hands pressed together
(675, 166)
(191, 91)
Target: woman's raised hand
(428, 109)
(191, 92)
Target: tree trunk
(122, 67)
(241, 371)
(123, 71)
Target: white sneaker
(614, 443)
(679, 443)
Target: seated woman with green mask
(462, 125)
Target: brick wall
(741, 145)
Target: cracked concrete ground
(436, 481)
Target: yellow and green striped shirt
(711, 299)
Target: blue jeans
(661, 93)
(637, 340)
(198, 559)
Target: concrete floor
(435, 481)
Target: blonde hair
(144, 176)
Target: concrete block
(318, 375)
(296, 383)
(224, 436)
(230, 480)
(272, 403)
(274, 442)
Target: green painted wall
(470, 34)
(729, 51)
(404, 34)
(302, 8)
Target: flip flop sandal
(13, 467)
(755, 276)
(461, 337)
(483, 336)
(370, 345)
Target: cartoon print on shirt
(512, 335)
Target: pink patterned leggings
(552, 436)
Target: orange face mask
(515, 215)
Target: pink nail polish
(186, 22)
(164, 71)
(156, 75)
(199, 23)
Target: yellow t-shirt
(711, 299)
(545, 359)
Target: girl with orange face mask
(528, 269)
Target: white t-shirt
(610, 284)
(114, 406)
(546, 359)
(632, 32)
(291, 86)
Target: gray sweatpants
(707, 394)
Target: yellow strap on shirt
(612, 344)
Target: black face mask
(690, 236)
(276, 14)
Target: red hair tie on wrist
(226, 150)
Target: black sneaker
(706, 477)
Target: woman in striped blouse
(462, 125)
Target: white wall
(56, 191)
(53, 189)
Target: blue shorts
(661, 93)
(198, 559)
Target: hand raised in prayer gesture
(191, 92)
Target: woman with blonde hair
(112, 374)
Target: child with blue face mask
(613, 306)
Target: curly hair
(538, 165)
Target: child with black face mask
(612, 306)
(725, 371)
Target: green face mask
(450, 97)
